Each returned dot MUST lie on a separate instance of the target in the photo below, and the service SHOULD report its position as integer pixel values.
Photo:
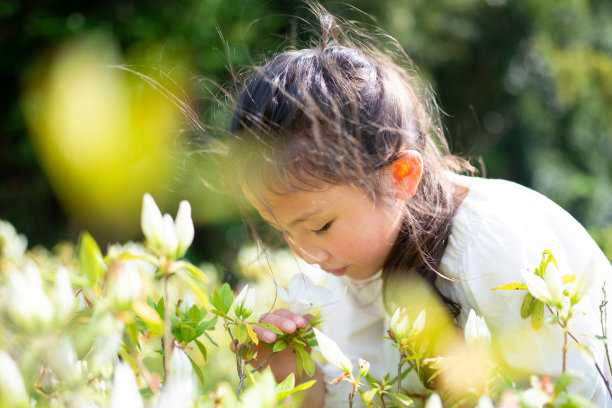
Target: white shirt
(499, 229)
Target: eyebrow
(306, 216)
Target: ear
(406, 171)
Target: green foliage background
(526, 87)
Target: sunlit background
(526, 87)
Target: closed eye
(323, 228)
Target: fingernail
(288, 326)
(268, 337)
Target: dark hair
(340, 112)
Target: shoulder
(503, 217)
(502, 228)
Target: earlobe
(406, 171)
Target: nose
(309, 253)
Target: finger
(297, 319)
(307, 319)
(280, 319)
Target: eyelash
(323, 228)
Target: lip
(336, 272)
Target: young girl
(341, 150)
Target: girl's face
(339, 227)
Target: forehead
(287, 208)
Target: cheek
(365, 240)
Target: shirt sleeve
(501, 229)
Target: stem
(167, 339)
(601, 374)
(564, 347)
(239, 369)
(603, 312)
(352, 396)
(399, 372)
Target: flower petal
(332, 352)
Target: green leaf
(307, 361)
(187, 333)
(368, 396)
(197, 370)
(90, 257)
(511, 286)
(151, 302)
(270, 327)
(194, 313)
(402, 398)
(202, 349)
(287, 384)
(279, 346)
(281, 395)
(241, 334)
(160, 307)
(537, 315)
(210, 339)
(562, 382)
(223, 298)
(223, 315)
(527, 306)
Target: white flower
(401, 327)
(583, 283)
(332, 352)
(186, 304)
(28, 305)
(550, 289)
(434, 401)
(12, 244)
(184, 227)
(168, 237)
(485, 402)
(181, 389)
(12, 387)
(364, 367)
(303, 294)
(62, 296)
(125, 283)
(125, 393)
(63, 361)
(244, 302)
(476, 330)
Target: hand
(281, 363)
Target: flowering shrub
(138, 325)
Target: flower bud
(28, 305)
(364, 367)
(125, 393)
(244, 303)
(125, 283)
(62, 296)
(186, 305)
(12, 387)
(163, 235)
(400, 324)
(434, 401)
(12, 244)
(476, 330)
(151, 221)
(332, 352)
(184, 228)
(62, 359)
(181, 389)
